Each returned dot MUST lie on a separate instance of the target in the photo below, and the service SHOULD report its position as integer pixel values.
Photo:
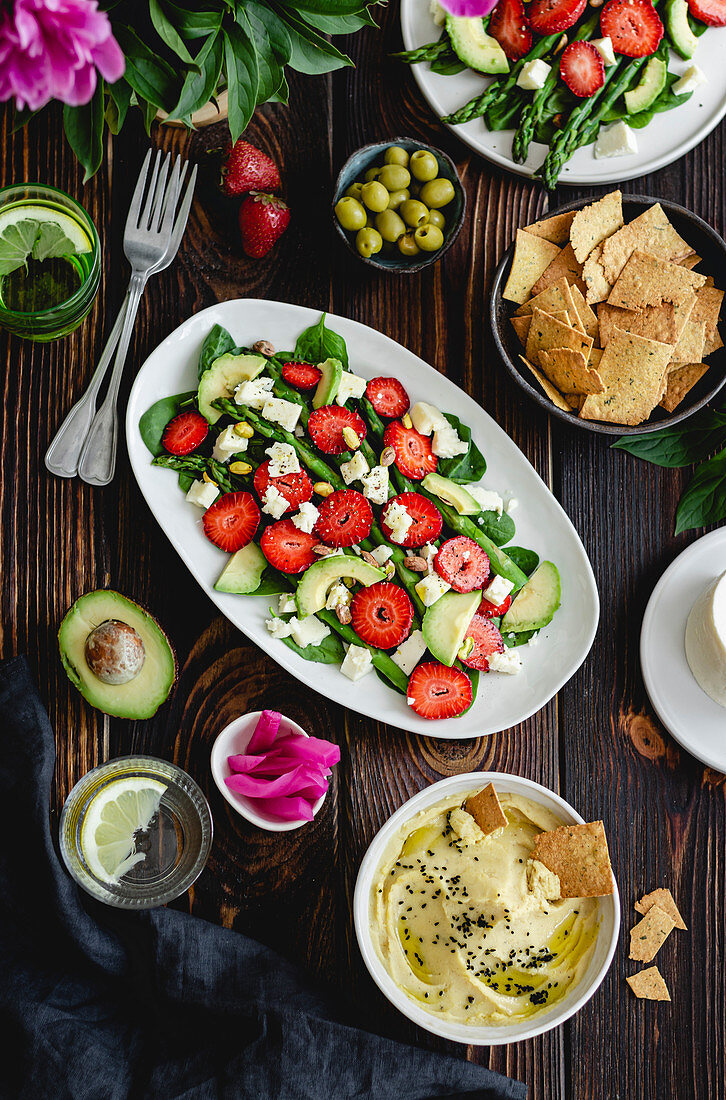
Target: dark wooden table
(598, 742)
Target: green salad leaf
(318, 343)
(329, 652)
(272, 583)
(500, 529)
(217, 342)
(527, 560)
(156, 418)
(511, 641)
(464, 468)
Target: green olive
(397, 197)
(414, 213)
(350, 213)
(423, 165)
(353, 191)
(394, 177)
(429, 238)
(368, 241)
(371, 174)
(390, 225)
(394, 154)
(407, 245)
(375, 196)
(437, 193)
(437, 218)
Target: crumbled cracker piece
(646, 281)
(565, 264)
(552, 392)
(650, 232)
(648, 985)
(595, 223)
(555, 228)
(532, 256)
(568, 370)
(664, 899)
(679, 383)
(649, 934)
(632, 369)
(546, 332)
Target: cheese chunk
(338, 597)
(278, 628)
(375, 485)
(286, 604)
(306, 517)
(446, 443)
(692, 77)
(283, 460)
(284, 413)
(254, 394)
(382, 554)
(428, 553)
(202, 493)
(398, 520)
(355, 468)
(533, 74)
(351, 385)
(228, 443)
(617, 140)
(489, 499)
(604, 47)
(358, 662)
(509, 662)
(308, 631)
(274, 503)
(431, 589)
(427, 418)
(410, 652)
(498, 590)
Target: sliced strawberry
(287, 548)
(712, 12)
(326, 425)
(633, 25)
(582, 68)
(382, 614)
(303, 376)
(427, 521)
(297, 488)
(414, 456)
(387, 396)
(185, 433)
(463, 564)
(508, 24)
(230, 523)
(553, 16)
(489, 611)
(487, 640)
(436, 691)
(344, 518)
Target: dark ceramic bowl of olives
(399, 205)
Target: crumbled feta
(533, 74)
(446, 443)
(617, 140)
(299, 431)
(428, 553)
(284, 413)
(511, 505)
(427, 418)
(278, 628)
(692, 77)
(306, 517)
(410, 652)
(498, 590)
(286, 604)
(375, 485)
(438, 13)
(254, 393)
(357, 663)
(283, 460)
(489, 499)
(274, 503)
(398, 521)
(338, 597)
(430, 589)
(509, 662)
(228, 443)
(356, 468)
(308, 631)
(382, 554)
(351, 385)
(202, 493)
(604, 47)
(534, 640)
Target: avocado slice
(474, 46)
(679, 31)
(446, 622)
(327, 388)
(243, 572)
(132, 665)
(317, 579)
(222, 378)
(650, 87)
(451, 493)
(535, 603)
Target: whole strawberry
(246, 168)
(262, 221)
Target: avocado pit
(114, 652)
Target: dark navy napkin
(100, 1004)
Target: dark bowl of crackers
(606, 313)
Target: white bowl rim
(463, 1033)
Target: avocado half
(139, 697)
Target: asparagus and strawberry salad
(569, 73)
(360, 517)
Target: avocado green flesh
(243, 572)
(446, 622)
(535, 604)
(451, 493)
(313, 588)
(676, 21)
(474, 46)
(331, 371)
(650, 87)
(222, 378)
(140, 697)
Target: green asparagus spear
(500, 87)
(381, 660)
(430, 52)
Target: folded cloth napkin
(100, 1004)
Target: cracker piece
(649, 934)
(655, 322)
(689, 348)
(554, 394)
(532, 256)
(568, 370)
(679, 382)
(691, 261)
(650, 232)
(593, 273)
(648, 985)
(683, 311)
(565, 264)
(578, 855)
(632, 369)
(707, 307)
(595, 223)
(556, 297)
(546, 332)
(646, 281)
(712, 343)
(486, 809)
(555, 229)
(522, 324)
(709, 281)
(587, 316)
(664, 899)
(575, 400)
(595, 358)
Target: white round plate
(670, 135)
(691, 716)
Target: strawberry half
(246, 168)
(553, 16)
(303, 376)
(388, 397)
(414, 457)
(185, 433)
(230, 523)
(262, 221)
(508, 24)
(326, 425)
(712, 12)
(582, 68)
(297, 488)
(287, 548)
(633, 25)
(463, 564)
(427, 521)
(382, 614)
(344, 518)
(489, 611)
(436, 691)
(487, 640)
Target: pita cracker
(712, 343)
(691, 261)
(646, 281)
(682, 312)
(532, 256)
(578, 855)
(709, 281)
(650, 232)
(546, 332)
(522, 324)
(689, 348)
(554, 394)
(632, 369)
(648, 985)
(575, 401)
(555, 297)
(564, 264)
(486, 809)
(679, 383)
(568, 370)
(555, 229)
(595, 358)
(664, 900)
(593, 275)
(649, 934)
(655, 322)
(595, 223)
(707, 307)
(587, 316)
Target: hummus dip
(471, 927)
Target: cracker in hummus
(486, 809)
(579, 855)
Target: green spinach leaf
(217, 342)
(467, 467)
(329, 652)
(511, 641)
(526, 560)
(156, 418)
(318, 343)
(272, 583)
(704, 501)
(500, 529)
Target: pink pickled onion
(265, 731)
(287, 809)
(468, 8)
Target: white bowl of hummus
(464, 932)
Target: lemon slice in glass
(115, 814)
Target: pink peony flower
(471, 8)
(50, 49)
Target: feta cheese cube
(446, 443)
(511, 505)
(430, 589)
(617, 140)
(351, 385)
(438, 13)
(410, 652)
(604, 47)
(338, 597)
(308, 631)
(692, 77)
(489, 499)
(382, 554)
(274, 503)
(254, 393)
(509, 662)
(283, 460)
(533, 75)
(397, 520)
(355, 468)
(428, 553)
(375, 485)
(228, 443)
(427, 418)
(286, 604)
(202, 493)
(498, 590)
(306, 517)
(278, 628)
(284, 413)
(358, 662)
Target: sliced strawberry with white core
(344, 518)
(508, 24)
(633, 25)
(287, 548)
(489, 611)
(185, 433)
(296, 488)
(326, 425)
(582, 69)
(711, 12)
(487, 640)
(303, 376)
(553, 16)
(437, 691)
(382, 615)
(463, 564)
(427, 521)
(388, 397)
(230, 523)
(414, 457)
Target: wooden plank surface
(598, 743)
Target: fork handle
(97, 463)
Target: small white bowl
(462, 1033)
(233, 740)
